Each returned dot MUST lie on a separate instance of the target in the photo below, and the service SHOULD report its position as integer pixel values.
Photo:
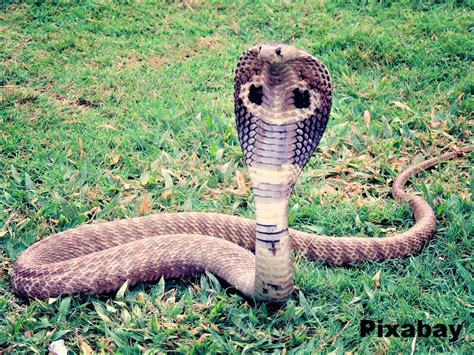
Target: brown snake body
(282, 104)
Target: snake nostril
(278, 51)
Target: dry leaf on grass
(81, 152)
(27, 334)
(235, 27)
(167, 177)
(359, 203)
(326, 189)
(108, 126)
(367, 118)
(355, 300)
(353, 188)
(166, 194)
(103, 316)
(202, 337)
(144, 206)
(464, 303)
(194, 158)
(156, 62)
(85, 348)
(115, 158)
(110, 308)
(169, 325)
(376, 279)
(435, 125)
(402, 106)
(241, 185)
(185, 3)
(125, 315)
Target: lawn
(113, 111)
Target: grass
(111, 111)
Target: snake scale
(282, 103)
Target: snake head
(282, 102)
(274, 52)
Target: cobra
(282, 104)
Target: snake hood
(282, 100)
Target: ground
(113, 111)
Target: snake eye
(278, 51)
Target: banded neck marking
(271, 245)
(273, 233)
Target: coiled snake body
(282, 104)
